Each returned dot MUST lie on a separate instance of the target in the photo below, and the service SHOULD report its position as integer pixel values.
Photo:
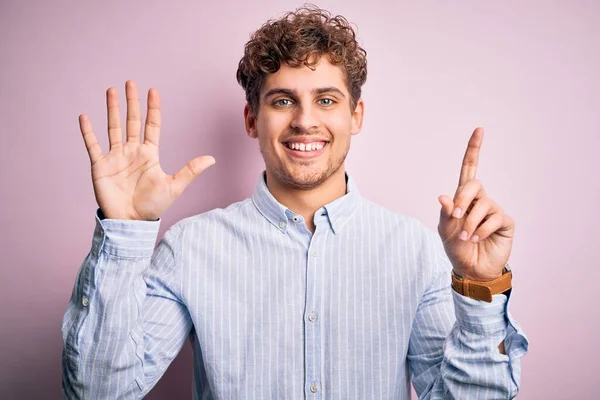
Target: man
(305, 290)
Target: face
(304, 124)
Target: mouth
(309, 149)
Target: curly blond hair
(299, 38)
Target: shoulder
(218, 216)
(391, 220)
(416, 238)
(404, 228)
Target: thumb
(445, 226)
(187, 174)
(447, 206)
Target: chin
(304, 179)
(304, 183)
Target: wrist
(481, 276)
(478, 278)
(104, 216)
(115, 237)
(482, 290)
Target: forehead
(303, 79)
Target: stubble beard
(307, 180)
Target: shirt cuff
(479, 316)
(124, 238)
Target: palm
(131, 178)
(128, 181)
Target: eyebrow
(291, 93)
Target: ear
(357, 116)
(250, 121)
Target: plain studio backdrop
(527, 72)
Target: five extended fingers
(181, 179)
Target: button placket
(313, 328)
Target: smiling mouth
(305, 147)
(306, 151)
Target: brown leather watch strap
(482, 290)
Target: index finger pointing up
(471, 158)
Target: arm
(453, 348)
(125, 322)
(456, 342)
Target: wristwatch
(483, 290)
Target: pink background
(527, 73)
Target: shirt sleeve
(453, 348)
(125, 321)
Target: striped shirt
(356, 310)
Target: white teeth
(305, 147)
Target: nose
(304, 119)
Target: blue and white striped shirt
(353, 311)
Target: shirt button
(315, 253)
(282, 224)
(296, 219)
(312, 317)
(85, 302)
(314, 388)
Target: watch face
(507, 267)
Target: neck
(306, 202)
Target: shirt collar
(338, 212)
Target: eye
(326, 102)
(282, 103)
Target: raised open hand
(476, 233)
(128, 181)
